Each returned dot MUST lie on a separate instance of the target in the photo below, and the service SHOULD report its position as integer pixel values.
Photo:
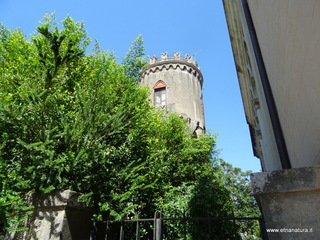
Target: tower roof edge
(175, 61)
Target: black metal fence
(202, 228)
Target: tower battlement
(165, 62)
(176, 56)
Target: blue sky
(191, 27)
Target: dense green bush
(76, 120)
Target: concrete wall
(289, 36)
(56, 215)
(184, 86)
(289, 200)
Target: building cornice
(238, 17)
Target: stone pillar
(57, 215)
(290, 202)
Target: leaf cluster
(71, 120)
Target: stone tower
(176, 85)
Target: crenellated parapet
(176, 56)
(175, 62)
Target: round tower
(176, 85)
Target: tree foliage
(73, 120)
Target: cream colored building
(175, 84)
(277, 54)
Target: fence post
(121, 232)
(138, 228)
(157, 232)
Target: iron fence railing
(189, 228)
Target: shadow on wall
(57, 215)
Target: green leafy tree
(73, 120)
(244, 205)
(135, 59)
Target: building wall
(184, 86)
(253, 98)
(278, 40)
(289, 35)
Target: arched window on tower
(160, 93)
